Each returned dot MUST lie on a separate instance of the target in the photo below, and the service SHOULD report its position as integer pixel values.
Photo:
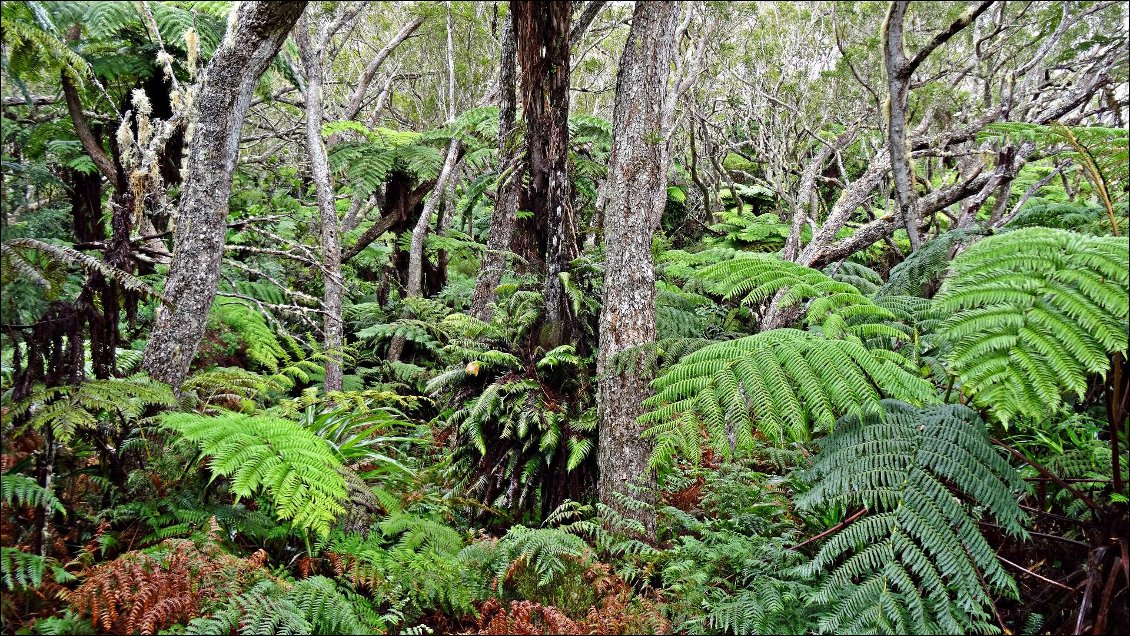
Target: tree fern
(916, 563)
(1033, 314)
(757, 278)
(23, 570)
(67, 408)
(925, 265)
(547, 552)
(21, 490)
(297, 470)
(258, 338)
(66, 254)
(858, 275)
(783, 383)
(1078, 216)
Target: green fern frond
(925, 265)
(917, 562)
(298, 470)
(67, 408)
(757, 278)
(1032, 315)
(73, 257)
(784, 383)
(21, 490)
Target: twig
(1047, 473)
(835, 528)
(1041, 534)
(1039, 576)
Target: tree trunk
(415, 283)
(503, 218)
(898, 82)
(312, 55)
(900, 68)
(542, 33)
(636, 193)
(254, 36)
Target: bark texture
(312, 55)
(503, 218)
(636, 193)
(898, 82)
(542, 30)
(900, 68)
(255, 33)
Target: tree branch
(89, 143)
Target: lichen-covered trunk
(503, 218)
(542, 33)
(636, 192)
(312, 60)
(255, 32)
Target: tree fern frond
(788, 382)
(297, 469)
(1032, 314)
(917, 563)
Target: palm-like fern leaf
(1033, 313)
(779, 382)
(297, 469)
(917, 562)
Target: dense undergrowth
(903, 441)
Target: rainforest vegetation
(564, 317)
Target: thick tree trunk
(542, 30)
(312, 55)
(255, 33)
(503, 218)
(636, 193)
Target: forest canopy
(564, 317)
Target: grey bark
(585, 19)
(898, 82)
(899, 70)
(255, 32)
(503, 219)
(636, 193)
(358, 96)
(312, 55)
(414, 284)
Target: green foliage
(64, 409)
(414, 565)
(1078, 217)
(316, 605)
(522, 417)
(33, 42)
(760, 233)
(16, 262)
(756, 278)
(916, 562)
(22, 570)
(20, 490)
(1032, 315)
(298, 470)
(547, 552)
(259, 339)
(726, 570)
(783, 383)
(924, 266)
